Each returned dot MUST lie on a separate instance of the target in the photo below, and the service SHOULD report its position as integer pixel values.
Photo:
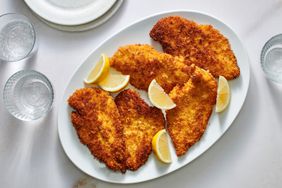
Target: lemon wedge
(160, 146)
(223, 94)
(114, 81)
(99, 71)
(158, 97)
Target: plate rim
(191, 11)
(87, 26)
(74, 20)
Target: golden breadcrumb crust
(143, 63)
(97, 122)
(194, 101)
(140, 123)
(201, 45)
(119, 132)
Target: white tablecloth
(248, 155)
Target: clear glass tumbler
(28, 95)
(271, 58)
(17, 37)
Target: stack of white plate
(74, 15)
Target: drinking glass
(17, 37)
(28, 95)
(271, 58)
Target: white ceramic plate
(218, 123)
(84, 27)
(70, 12)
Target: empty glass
(17, 37)
(28, 95)
(271, 58)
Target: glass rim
(5, 93)
(264, 51)
(267, 45)
(33, 30)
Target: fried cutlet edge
(144, 109)
(157, 33)
(77, 106)
(198, 76)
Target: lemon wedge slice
(160, 146)
(99, 71)
(158, 97)
(223, 94)
(114, 81)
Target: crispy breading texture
(201, 45)
(97, 122)
(194, 101)
(141, 122)
(143, 63)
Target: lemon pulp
(158, 97)
(99, 71)
(161, 147)
(223, 94)
(114, 81)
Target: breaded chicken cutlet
(143, 63)
(97, 122)
(140, 123)
(194, 101)
(201, 45)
